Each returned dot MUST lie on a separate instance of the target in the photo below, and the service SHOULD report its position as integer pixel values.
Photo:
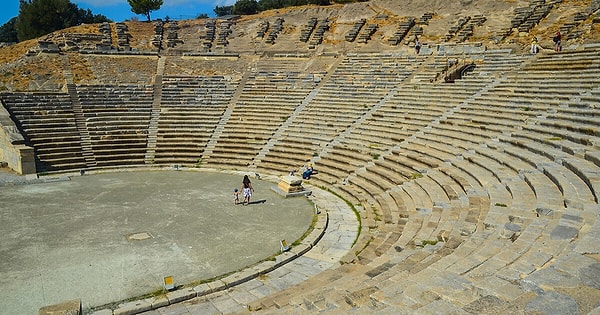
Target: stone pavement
(334, 235)
(112, 236)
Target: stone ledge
(133, 307)
(181, 295)
(72, 307)
(158, 301)
(103, 312)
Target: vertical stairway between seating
(86, 142)
(156, 100)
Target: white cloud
(223, 2)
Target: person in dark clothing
(557, 39)
(247, 189)
(308, 172)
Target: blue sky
(119, 10)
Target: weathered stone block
(72, 307)
(289, 188)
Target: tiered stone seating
(408, 205)
(268, 99)
(570, 29)
(357, 84)
(351, 36)
(106, 43)
(464, 27)
(117, 119)
(400, 117)
(158, 34)
(468, 193)
(424, 19)
(263, 27)
(469, 258)
(530, 242)
(420, 214)
(47, 123)
(510, 103)
(123, 36)
(190, 109)
(318, 34)
(460, 24)
(208, 34)
(276, 28)
(528, 249)
(223, 33)
(431, 71)
(307, 30)
(468, 30)
(365, 34)
(401, 32)
(504, 202)
(527, 17)
(494, 65)
(523, 98)
(571, 170)
(172, 37)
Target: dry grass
(17, 71)
(36, 72)
(81, 69)
(15, 52)
(122, 69)
(141, 35)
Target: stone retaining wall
(13, 151)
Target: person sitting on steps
(308, 172)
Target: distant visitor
(534, 46)
(236, 196)
(247, 189)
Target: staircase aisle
(86, 142)
(157, 98)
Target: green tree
(8, 32)
(245, 7)
(87, 17)
(40, 17)
(264, 5)
(144, 7)
(223, 10)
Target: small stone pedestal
(291, 186)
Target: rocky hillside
(377, 25)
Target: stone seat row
(407, 231)
(503, 176)
(523, 242)
(266, 96)
(559, 154)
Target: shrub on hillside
(40, 17)
(8, 32)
